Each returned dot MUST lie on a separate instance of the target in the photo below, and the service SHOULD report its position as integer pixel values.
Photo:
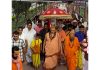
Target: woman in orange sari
(52, 48)
(71, 50)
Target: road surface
(29, 67)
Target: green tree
(26, 7)
(20, 7)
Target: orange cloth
(16, 63)
(52, 47)
(62, 35)
(62, 38)
(71, 52)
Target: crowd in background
(64, 42)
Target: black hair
(16, 32)
(81, 26)
(37, 34)
(45, 24)
(29, 22)
(39, 21)
(65, 27)
(15, 48)
(71, 26)
(20, 27)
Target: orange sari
(71, 50)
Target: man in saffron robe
(71, 49)
(52, 47)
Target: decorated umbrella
(55, 13)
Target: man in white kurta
(29, 34)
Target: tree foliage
(20, 6)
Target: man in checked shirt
(16, 41)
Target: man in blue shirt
(80, 34)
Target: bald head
(53, 28)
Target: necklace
(71, 44)
(51, 36)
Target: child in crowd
(36, 48)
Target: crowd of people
(51, 46)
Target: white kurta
(22, 37)
(29, 36)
